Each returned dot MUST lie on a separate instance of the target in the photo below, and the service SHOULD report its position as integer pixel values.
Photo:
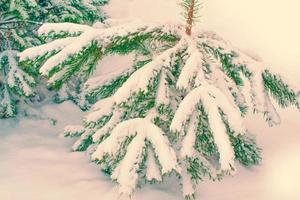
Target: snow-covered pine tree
(76, 11)
(179, 112)
(18, 20)
(15, 84)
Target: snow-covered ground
(37, 164)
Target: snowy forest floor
(37, 164)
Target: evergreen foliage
(18, 22)
(178, 110)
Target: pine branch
(190, 95)
(20, 21)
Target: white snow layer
(192, 67)
(88, 35)
(101, 108)
(56, 28)
(212, 99)
(153, 171)
(188, 143)
(141, 129)
(188, 188)
(16, 77)
(115, 118)
(73, 130)
(135, 83)
(54, 46)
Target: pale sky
(268, 28)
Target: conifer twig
(190, 16)
(20, 21)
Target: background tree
(18, 22)
(178, 110)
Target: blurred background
(267, 28)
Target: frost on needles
(179, 110)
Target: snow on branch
(212, 100)
(83, 41)
(192, 67)
(135, 83)
(57, 28)
(263, 84)
(201, 78)
(104, 39)
(141, 130)
(16, 78)
(73, 130)
(188, 143)
(100, 109)
(94, 83)
(34, 52)
(153, 171)
(113, 121)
